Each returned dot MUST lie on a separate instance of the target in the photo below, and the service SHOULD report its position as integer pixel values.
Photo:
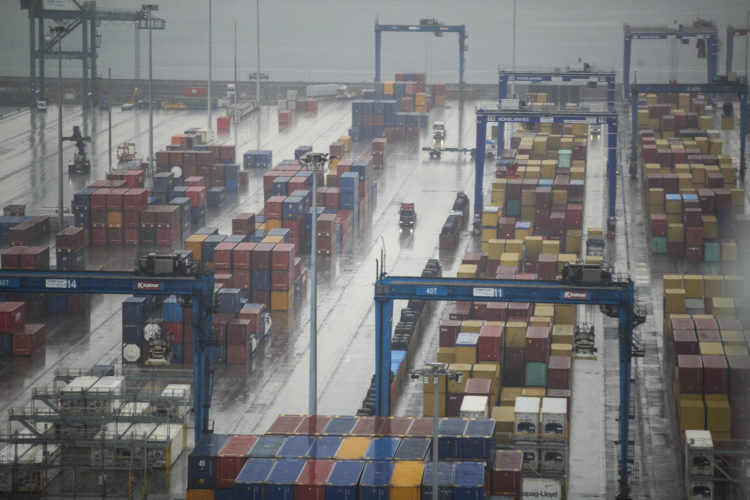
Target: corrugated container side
(406, 480)
(468, 481)
(282, 478)
(342, 483)
(353, 448)
(250, 483)
(232, 458)
(375, 481)
(312, 478)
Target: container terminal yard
(530, 288)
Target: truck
(407, 216)
(322, 90)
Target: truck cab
(407, 217)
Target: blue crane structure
(426, 26)
(502, 117)
(196, 288)
(616, 299)
(558, 77)
(734, 88)
(733, 32)
(700, 30)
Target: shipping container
(282, 479)
(353, 448)
(413, 448)
(383, 448)
(267, 446)
(406, 480)
(468, 481)
(340, 426)
(250, 483)
(445, 481)
(202, 461)
(343, 481)
(312, 479)
(170, 441)
(325, 447)
(375, 481)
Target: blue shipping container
(198, 215)
(208, 245)
(301, 151)
(261, 280)
(325, 447)
(468, 481)
(375, 481)
(296, 447)
(291, 207)
(163, 182)
(228, 300)
(219, 354)
(134, 310)
(450, 431)
(382, 448)
(215, 197)
(340, 426)
(57, 303)
(171, 310)
(267, 446)
(479, 440)
(415, 448)
(207, 230)
(250, 482)
(178, 353)
(132, 334)
(6, 344)
(83, 197)
(282, 478)
(445, 481)
(343, 480)
(202, 461)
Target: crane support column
(461, 48)
(479, 168)
(626, 65)
(612, 165)
(625, 336)
(85, 52)
(383, 329)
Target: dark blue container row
(301, 151)
(228, 300)
(163, 182)
(261, 280)
(281, 231)
(70, 261)
(259, 158)
(132, 334)
(178, 353)
(292, 207)
(134, 311)
(208, 245)
(215, 197)
(9, 221)
(258, 236)
(6, 344)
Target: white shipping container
(700, 457)
(535, 487)
(526, 415)
(138, 433)
(700, 490)
(475, 407)
(291, 95)
(174, 440)
(105, 452)
(135, 408)
(79, 385)
(111, 386)
(554, 416)
(530, 457)
(322, 90)
(552, 459)
(281, 105)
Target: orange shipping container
(406, 480)
(353, 448)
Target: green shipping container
(659, 244)
(536, 374)
(712, 251)
(513, 208)
(563, 158)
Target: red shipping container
(261, 256)
(282, 257)
(135, 199)
(134, 178)
(497, 311)
(285, 424)
(520, 311)
(131, 236)
(261, 297)
(197, 195)
(453, 404)
(243, 223)
(310, 484)
(715, 374)
(12, 316)
(36, 257)
(314, 424)
(690, 373)
(537, 343)
(99, 199)
(28, 339)
(739, 375)
(709, 336)
(175, 330)
(682, 323)
(507, 473)
(252, 312)
(131, 220)
(115, 199)
(223, 256)
(449, 329)
(238, 331)
(231, 459)
(694, 236)
(659, 224)
(99, 236)
(479, 310)
(273, 207)
(558, 372)
(490, 343)
(478, 387)
(241, 256)
(11, 258)
(282, 280)
(694, 254)
(333, 195)
(167, 236)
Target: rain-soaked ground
(246, 399)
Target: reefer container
(526, 415)
(375, 481)
(202, 461)
(250, 483)
(172, 440)
(311, 481)
(554, 416)
(343, 481)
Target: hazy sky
(333, 40)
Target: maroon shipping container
(311, 481)
(449, 329)
(514, 377)
(682, 323)
(497, 311)
(453, 402)
(273, 207)
(739, 375)
(253, 312)
(241, 279)
(396, 426)
(223, 256)
(261, 256)
(537, 343)
(690, 373)
(223, 279)
(167, 236)
(312, 425)
(326, 224)
(514, 359)
(174, 329)
(238, 332)
(285, 424)
(35, 258)
(241, 258)
(244, 223)
(197, 195)
(115, 199)
(219, 327)
(685, 342)
(709, 336)
(99, 199)
(705, 324)
(135, 199)
(507, 473)
(232, 458)
(460, 311)
(715, 374)
(490, 343)
(520, 311)
(282, 257)
(28, 339)
(282, 280)
(547, 266)
(12, 316)
(740, 405)
(558, 372)
(478, 387)
(369, 426)
(11, 258)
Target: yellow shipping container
(692, 412)
(565, 258)
(674, 300)
(711, 348)
(428, 404)
(533, 392)
(715, 146)
(282, 300)
(472, 325)
(729, 337)
(522, 234)
(674, 281)
(467, 271)
(727, 171)
(693, 284)
(675, 232)
(446, 355)
(548, 169)
(528, 214)
(194, 243)
(684, 101)
(466, 354)
(565, 314)
(651, 99)
(540, 321)
(573, 241)
(723, 307)
(347, 140)
(406, 480)
(562, 334)
(561, 349)
(551, 246)
(577, 173)
(533, 172)
(272, 224)
(504, 422)
(419, 98)
(388, 88)
(273, 239)
(702, 144)
(594, 259)
(490, 215)
(497, 197)
(200, 495)
(710, 226)
(705, 122)
(718, 413)
(547, 310)
(713, 286)
(114, 219)
(508, 396)
(515, 334)
(488, 233)
(495, 248)
(455, 386)
(559, 197)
